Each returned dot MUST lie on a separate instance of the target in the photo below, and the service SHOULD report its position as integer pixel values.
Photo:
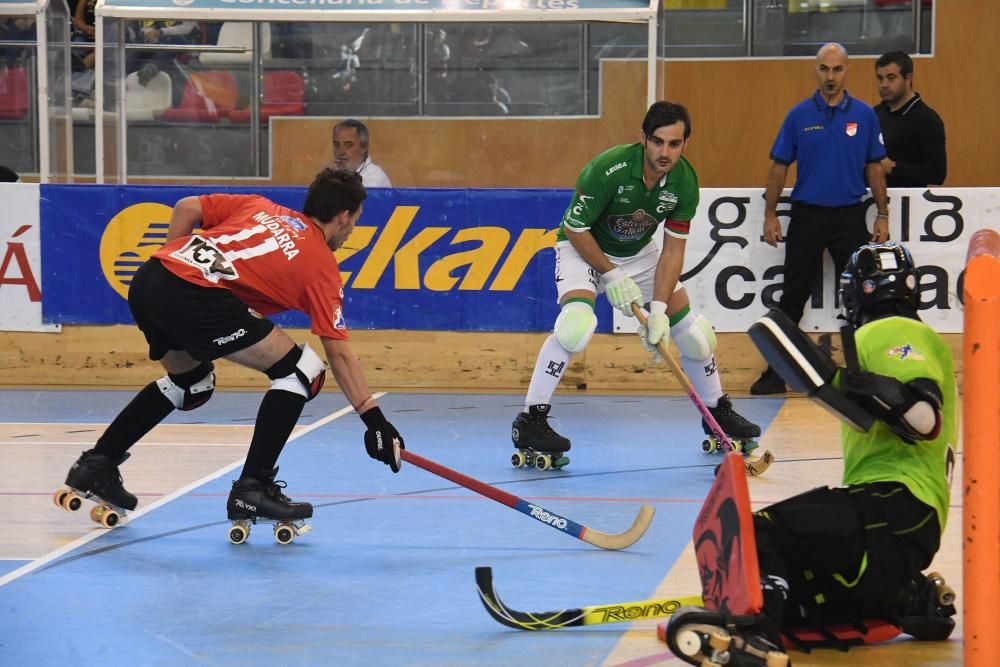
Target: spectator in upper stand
(350, 151)
(912, 131)
(16, 28)
(149, 63)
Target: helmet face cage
(876, 274)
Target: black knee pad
(189, 390)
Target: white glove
(656, 329)
(621, 291)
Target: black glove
(382, 440)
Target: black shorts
(207, 322)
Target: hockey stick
(566, 618)
(753, 466)
(572, 528)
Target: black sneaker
(768, 383)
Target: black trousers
(811, 230)
(847, 553)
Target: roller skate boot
(708, 638)
(537, 443)
(929, 604)
(260, 499)
(95, 477)
(741, 431)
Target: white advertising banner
(733, 277)
(21, 260)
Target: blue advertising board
(441, 259)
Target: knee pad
(190, 390)
(575, 326)
(301, 372)
(694, 337)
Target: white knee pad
(575, 326)
(695, 337)
(200, 386)
(303, 376)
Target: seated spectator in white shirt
(350, 151)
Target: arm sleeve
(786, 144)
(934, 168)
(325, 307)
(679, 222)
(876, 147)
(588, 201)
(217, 207)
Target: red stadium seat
(208, 96)
(14, 99)
(283, 95)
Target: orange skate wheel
(72, 502)
(719, 639)
(58, 497)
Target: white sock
(549, 368)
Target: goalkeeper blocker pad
(805, 367)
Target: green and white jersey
(612, 201)
(906, 349)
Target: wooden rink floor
(385, 578)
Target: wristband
(883, 214)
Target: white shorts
(574, 273)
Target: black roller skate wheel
(284, 534)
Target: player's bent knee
(575, 326)
(189, 390)
(301, 372)
(698, 340)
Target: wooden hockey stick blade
(612, 541)
(758, 465)
(565, 618)
(753, 467)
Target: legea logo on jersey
(130, 238)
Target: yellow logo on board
(130, 238)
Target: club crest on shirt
(851, 129)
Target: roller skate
(741, 431)
(260, 499)
(929, 604)
(707, 638)
(537, 444)
(95, 477)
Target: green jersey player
(606, 244)
(832, 558)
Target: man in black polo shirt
(835, 140)
(913, 132)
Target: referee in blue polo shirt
(837, 143)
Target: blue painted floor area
(9, 566)
(386, 575)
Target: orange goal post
(981, 445)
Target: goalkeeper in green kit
(839, 564)
(605, 245)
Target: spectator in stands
(912, 131)
(15, 28)
(83, 31)
(149, 63)
(350, 151)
